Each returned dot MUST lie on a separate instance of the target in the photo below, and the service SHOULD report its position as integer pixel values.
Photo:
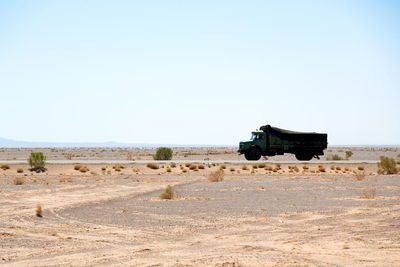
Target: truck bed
(293, 135)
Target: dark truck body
(271, 141)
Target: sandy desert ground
(295, 215)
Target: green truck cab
(271, 141)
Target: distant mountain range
(4, 142)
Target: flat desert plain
(260, 214)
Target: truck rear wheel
(253, 154)
(304, 156)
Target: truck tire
(304, 156)
(253, 154)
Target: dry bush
(268, 168)
(296, 169)
(346, 169)
(93, 173)
(334, 157)
(5, 167)
(19, 180)
(275, 169)
(305, 167)
(61, 180)
(153, 166)
(135, 170)
(118, 166)
(360, 168)
(387, 166)
(332, 168)
(368, 193)
(338, 168)
(278, 166)
(254, 166)
(360, 176)
(20, 170)
(129, 156)
(184, 170)
(349, 154)
(173, 164)
(77, 167)
(232, 169)
(321, 168)
(84, 169)
(187, 165)
(39, 211)
(193, 167)
(223, 167)
(168, 193)
(244, 167)
(201, 166)
(169, 169)
(261, 165)
(216, 176)
(103, 169)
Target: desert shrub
(346, 169)
(20, 170)
(321, 168)
(338, 168)
(168, 193)
(369, 193)
(37, 160)
(278, 166)
(223, 167)
(39, 211)
(173, 164)
(232, 169)
(360, 176)
(261, 165)
(387, 166)
(184, 170)
(244, 167)
(201, 166)
(103, 169)
(268, 168)
(254, 166)
(169, 169)
(336, 157)
(296, 169)
(216, 176)
(118, 166)
(360, 168)
(93, 173)
(5, 167)
(77, 167)
(153, 166)
(19, 180)
(83, 169)
(163, 153)
(305, 167)
(349, 154)
(187, 165)
(192, 166)
(265, 158)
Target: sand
(252, 218)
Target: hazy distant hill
(4, 142)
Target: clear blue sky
(199, 72)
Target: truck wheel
(304, 156)
(254, 154)
(247, 156)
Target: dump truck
(271, 141)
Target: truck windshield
(253, 136)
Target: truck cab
(253, 148)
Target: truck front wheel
(253, 154)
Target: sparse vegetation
(19, 180)
(261, 165)
(201, 166)
(334, 157)
(169, 169)
(163, 153)
(360, 168)
(360, 176)
(153, 166)
(216, 176)
(349, 154)
(193, 167)
(83, 169)
(20, 170)
(39, 211)
(244, 167)
(232, 169)
(168, 193)
(77, 167)
(387, 166)
(223, 167)
(5, 167)
(37, 161)
(321, 168)
(368, 193)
